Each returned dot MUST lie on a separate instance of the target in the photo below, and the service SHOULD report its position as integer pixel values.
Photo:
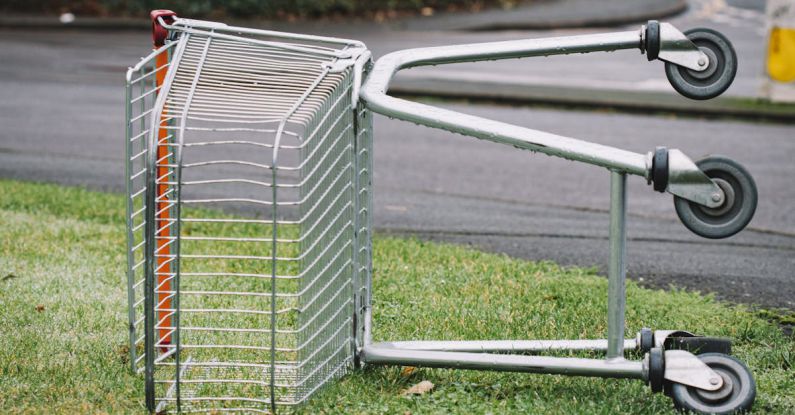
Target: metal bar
(368, 301)
(502, 362)
(130, 235)
(504, 346)
(274, 245)
(236, 29)
(616, 269)
(214, 411)
(357, 320)
(145, 61)
(177, 225)
(278, 45)
(172, 389)
(374, 93)
(151, 231)
(274, 230)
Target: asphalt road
(742, 21)
(61, 112)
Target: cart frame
(679, 176)
(685, 180)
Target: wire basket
(248, 180)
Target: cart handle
(160, 20)
(374, 93)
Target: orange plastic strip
(163, 268)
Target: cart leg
(616, 269)
(569, 366)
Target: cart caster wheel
(739, 204)
(646, 340)
(720, 71)
(656, 369)
(735, 396)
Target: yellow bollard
(780, 65)
(781, 54)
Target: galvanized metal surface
(616, 266)
(374, 92)
(505, 362)
(676, 48)
(241, 314)
(620, 163)
(260, 311)
(141, 92)
(504, 346)
(684, 368)
(688, 182)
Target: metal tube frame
(152, 230)
(616, 268)
(501, 355)
(350, 53)
(687, 181)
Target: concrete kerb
(646, 102)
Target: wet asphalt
(61, 112)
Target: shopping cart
(249, 169)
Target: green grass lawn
(63, 321)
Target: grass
(63, 321)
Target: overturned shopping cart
(249, 163)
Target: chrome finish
(687, 181)
(269, 305)
(676, 48)
(503, 346)
(141, 91)
(363, 59)
(684, 368)
(504, 362)
(156, 230)
(616, 268)
(375, 88)
(259, 124)
(333, 45)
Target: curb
(82, 23)
(642, 102)
(552, 16)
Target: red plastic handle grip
(159, 33)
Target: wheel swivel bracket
(673, 46)
(685, 368)
(683, 178)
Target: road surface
(61, 109)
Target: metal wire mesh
(249, 252)
(141, 93)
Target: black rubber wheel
(659, 169)
(652, 40)
(656, 369)
(646, 340)
(718, 75)
(735, 396)
(739, 204)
